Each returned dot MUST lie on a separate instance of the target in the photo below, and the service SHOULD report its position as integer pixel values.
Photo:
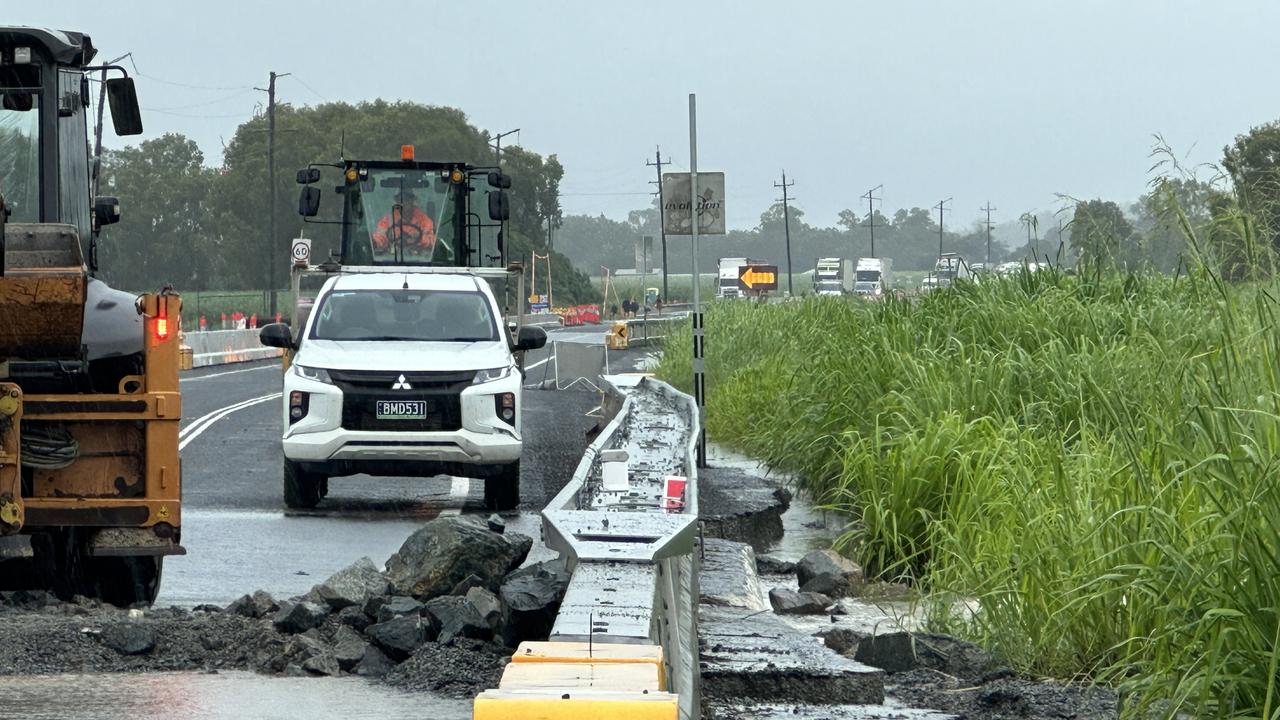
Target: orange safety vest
(421, 222)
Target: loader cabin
(45, 94)
(414, 213)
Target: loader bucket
(42, 292)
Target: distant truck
(727, 277)
(873, 277)
(951, 267)
(833, 276)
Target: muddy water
(222, 696)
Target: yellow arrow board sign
(758, 278)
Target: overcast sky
(1010, 101)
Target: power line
(190, 86)
(786, 224)
(662, 224)
(301, 82)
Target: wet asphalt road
(238, 534)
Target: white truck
(951, 267)
(727, 277)
(833, 276)
(403, 374)
(873, 277)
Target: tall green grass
(1087, 465)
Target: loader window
(20, 142)
(401, 217)
(73, 148)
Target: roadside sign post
(693, 205)
(699, 388)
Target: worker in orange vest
(408, 222)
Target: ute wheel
(502, 487)
(127, 581)
(301, 489)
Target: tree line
(199, 227)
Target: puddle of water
(222, 696)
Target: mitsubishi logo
(401, 384)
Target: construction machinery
(90, 479)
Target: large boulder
(374, 664)
(129, 638)
(789, 602)
(348, 647)
(457, 617)
(828, 572)
(353, 585)
(259, 604)
(393, 607)
(298, 617)
(532, 596)
(488, 605)
(442, 553)
(399, 637)
(901, 651)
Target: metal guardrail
(625, 641)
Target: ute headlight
(310, 373)
(488, 376)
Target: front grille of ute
(441, 391)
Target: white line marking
(205, 418)
(459, 489)
(540, 363)
(197, 429)
(228, 372)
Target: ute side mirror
(499, 206)
(531, 338)
(306, 176)
(277, 335)
(106, 210)
(499, 180)
(123, 99)
(309, 202)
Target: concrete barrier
(219, 347)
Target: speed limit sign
(301, 251)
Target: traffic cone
(278, 317)
(204, 324)
(224, 321)
(253, 321)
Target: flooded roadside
(214, 696)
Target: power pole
(871, 215)
(497, 146)
(941, 206)
(786, 223)
(272, 260)
(988, 208)
(662, 222)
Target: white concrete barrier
(219, 347)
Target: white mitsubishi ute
(402, 374)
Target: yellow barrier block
(595, 653)
(574, 705)
(625, 677)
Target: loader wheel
(301, 489)
(502, 487)
(127, 581)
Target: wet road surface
(240, 537)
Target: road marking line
(459, 489)
(540, 363)
(228, 372)
(205, 418)
(195, 432)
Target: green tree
(166, 232)
(1253, 163)
(1099, 233)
